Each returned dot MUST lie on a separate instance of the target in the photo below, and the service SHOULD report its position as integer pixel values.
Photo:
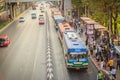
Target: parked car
(4, 41)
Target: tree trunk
(85, 10)
(115, 22)
(115, 28)
(110, 20)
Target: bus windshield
(76, 57)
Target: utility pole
(67, 10)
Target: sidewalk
(93, 59)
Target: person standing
(110, 63)
(118, 62)
(101, 64)
(113, 72)
(99, 76)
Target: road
(89, 74)
(25, 57)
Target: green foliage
(102, 11)
(4, 24)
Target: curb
(105, 72)
(93, 61)
(1, 30)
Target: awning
(117, 48)
(98, 26)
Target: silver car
(21, 19)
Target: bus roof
(54, 9)
(74, 43)
(63, 26)
(58, 18)
(57, 13)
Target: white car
(21, 19)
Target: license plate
(77, 62)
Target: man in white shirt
(113, 72)
(102, 64)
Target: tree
(105, 12)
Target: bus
(58, 19)
(75, 51)
(62, 27)
(55, 11)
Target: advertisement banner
(90, 29)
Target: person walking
(99, 76)
(113, 72)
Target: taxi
(41, 19)
(4, 41)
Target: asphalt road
(60, 71)
(25, 57)
(82, 74)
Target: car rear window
(33, 14)
(41, 15)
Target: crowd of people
(103, 50)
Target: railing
(107, 75)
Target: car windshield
(21, 18)
(2, 39)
